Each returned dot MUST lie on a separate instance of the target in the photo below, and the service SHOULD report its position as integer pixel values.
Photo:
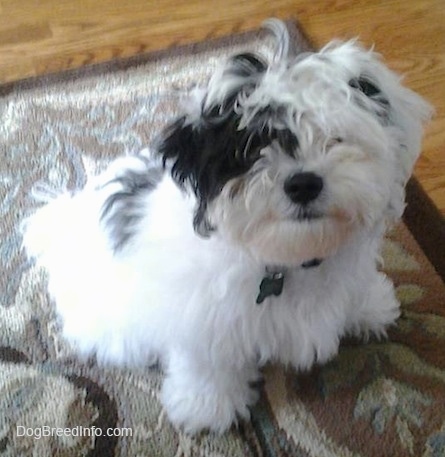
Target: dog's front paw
(194, 406)
(379, 311)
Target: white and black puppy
(250, 233)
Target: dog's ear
(239, 76)
(206, 151)
(182, 145)
(399, 108)
(402, 112)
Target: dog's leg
(199, 395)
(378, 310)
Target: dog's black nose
(303, 187)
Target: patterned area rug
(382, 399)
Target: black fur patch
(369, 89)
(365, 86)
(124, 208)
(207, 154)
(382, 109)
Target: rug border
(115, 64)
(118, 64)
(421, 208)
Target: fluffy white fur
(189, 302)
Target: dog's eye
(286, 139)
(254, 156)
(257, 142)
(250, 145)
(333, 142)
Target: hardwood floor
(42, 36)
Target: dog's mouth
(306, 214)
